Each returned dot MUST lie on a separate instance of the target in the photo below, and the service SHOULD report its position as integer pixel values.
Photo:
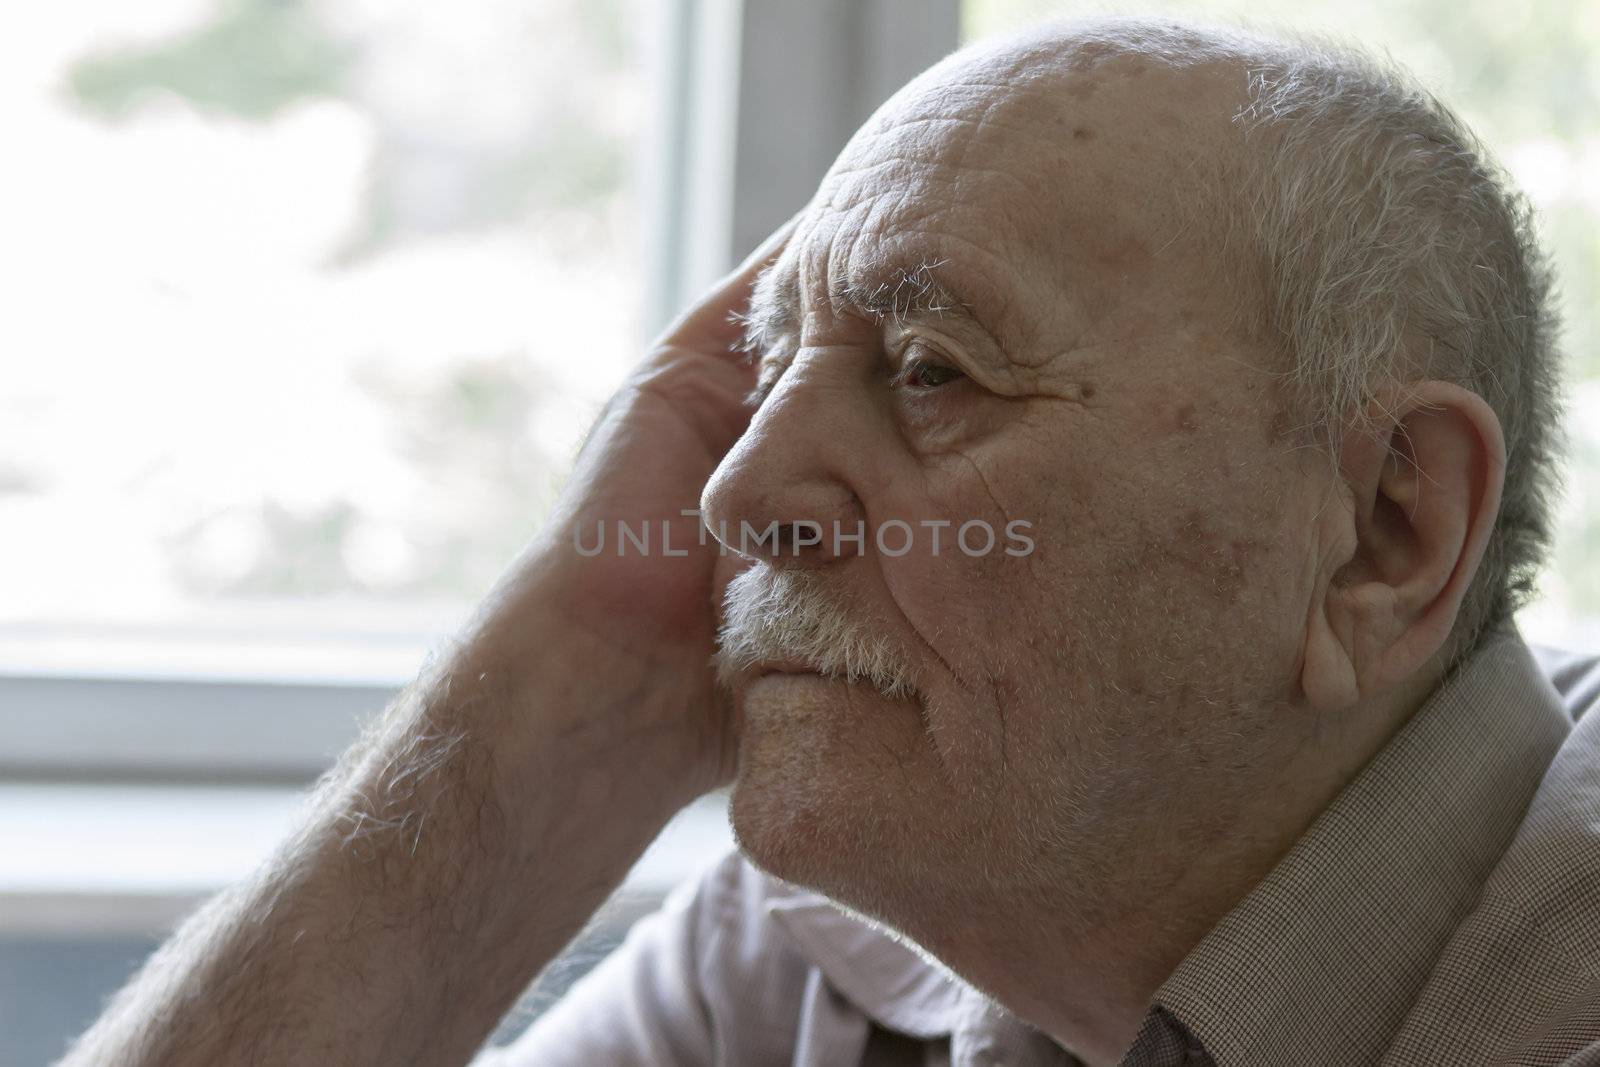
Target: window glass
(308, 304)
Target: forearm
(444, 862)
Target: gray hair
(1391, 249)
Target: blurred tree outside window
(309, 302)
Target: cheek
(1160, 554)
(959, 590)
(987, 592)
(988, 625)
(1197, 576)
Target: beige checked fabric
(1443, 910)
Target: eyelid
(898, 354)
(904, 361)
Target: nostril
(778, 539)
(774, 540)
(800, 536)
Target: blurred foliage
(467, 436)
(603, 26)
(562, 174)
(252, 59)
(473, 465)
(301, 552)
(461, 428)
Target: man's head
(1088, 280)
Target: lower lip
(782, 681)
(775, 684)
(778, 672)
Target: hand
(650, 615)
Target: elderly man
(1220, 747)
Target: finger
(709, 321)
(767, 251)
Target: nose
(784, 493)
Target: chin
(833, 790)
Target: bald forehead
(1047, 159)
(1020, 132)
(1055, 83)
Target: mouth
(768, 667)
(774, 670)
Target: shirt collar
(887, 979)
(1320, 962)
(899, 987)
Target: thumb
(711, 322)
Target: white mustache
(790, 614)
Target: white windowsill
(92, 859)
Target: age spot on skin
(1221, 567)
(1126, 256)
(1082, 133)
(1184, 418)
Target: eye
(921, 372)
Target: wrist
(558, 699)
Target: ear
(1398, 551)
